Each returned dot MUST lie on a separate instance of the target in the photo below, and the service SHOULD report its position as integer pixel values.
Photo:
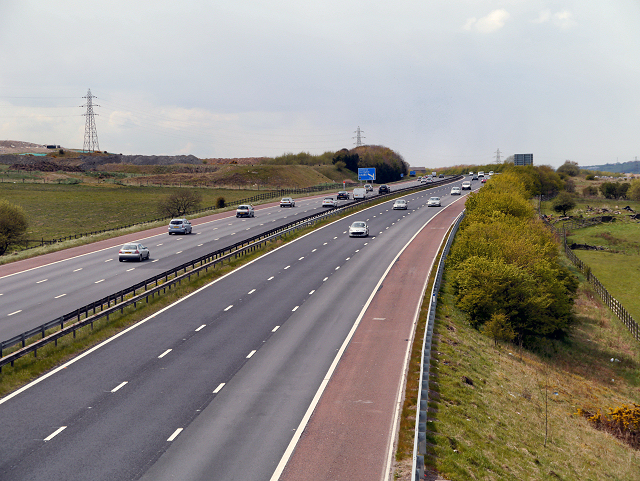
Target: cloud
(563, 19)
(492, 22)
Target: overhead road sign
(367, 173)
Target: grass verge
(508, 413)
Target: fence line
(248, 200)
(613, 304)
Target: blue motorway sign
(412, 173)
(367, 173)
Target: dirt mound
(18, 147)
(45, 166)
(239, 161)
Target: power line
(90, 132)
(497, 156)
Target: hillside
(632, 167)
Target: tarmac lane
(352, 432)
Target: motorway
(32, 297)
(214, 386)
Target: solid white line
(55, 433)
(275, 329)
(251, 354)
(228, 307)
(164, 353)
(119, 386)
(217, 390)
(43, 280)
(61, 295)
(295, 309)
(98, 282)
(251, 291)
(201, 327)
(15, 312)
(174, 435)
(305, 420)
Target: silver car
(434, 202)
(456, 191)
(400, 204)
(358, 229)
(133, 252)
(287, 202)
(180, 226)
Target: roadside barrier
(420, 436)
(140, 292)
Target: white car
(466, 185)
(434, 202)
(245, 210)
(329, 202)
(287, 202)
(400, 204)
(368, 187)
(358, 229)
(456, 191)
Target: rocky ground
(18, 147)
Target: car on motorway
(180, 226)
(359, 193)
(343, 195)
(329, 202)
(434, 202)
(400, 204)
(359, 229)
(470, 173)
(466, 185)
(368, 187)
(484, 180)
(456, 190)
(475, 177)
(287, 202)
(245, 210)
(384, 189)
(133, 252)
(490, 173)
(441, 176)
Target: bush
(570, 168)
(13, 225)
(220, 203)
(634, 190)
(590, 177)
(590, 191)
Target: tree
(563, 203)
(634, 190)
(13, 225)
(570, 168)
(179, 203)
(608, 190)
(499, 329)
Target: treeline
(506, 272)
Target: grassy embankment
(496, 428)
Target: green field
(55, 211)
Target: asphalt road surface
(214, 386)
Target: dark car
(384, 189)
(343, 195)
(441, 176)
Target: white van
(359, 193)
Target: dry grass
(495, 428)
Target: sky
(441, 82)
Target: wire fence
(613, 304)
